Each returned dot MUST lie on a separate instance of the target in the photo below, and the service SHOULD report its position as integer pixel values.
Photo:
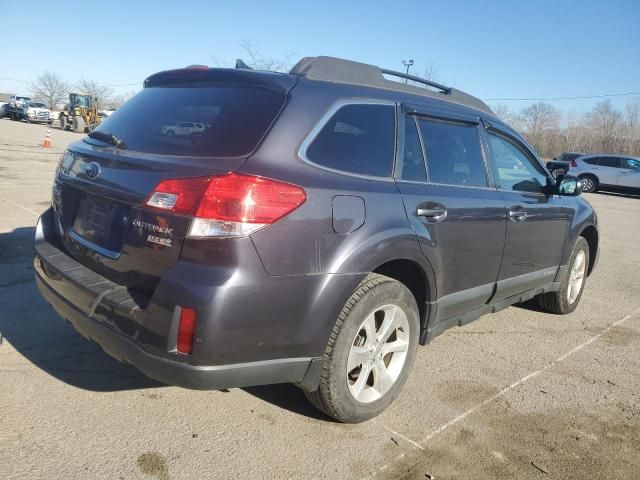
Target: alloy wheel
(576, 276)
(378, 353)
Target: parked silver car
(607, 171)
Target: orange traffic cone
(47, 139)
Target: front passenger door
(537, 220)
(629, 175)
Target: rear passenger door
(538, 219)
(608, 169)
(458, 215)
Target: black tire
(64, 125)
(169, 133)
(589, 183)
(558, 302)
(79, 125)
(333, 396)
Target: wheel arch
(414, 276)
(590, 234)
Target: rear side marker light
(186, 330)
(229, 205)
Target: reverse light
(186, 330)
(229, 205)
(179, 195)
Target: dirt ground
(518, 394)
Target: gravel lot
(518, 394)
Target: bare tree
(605, 122)
(603, 129)
(541, 125)
(51, 88)
(116, 101)
(258, 61)
(504, 113)
(632, 126)
(431, 73)
(101, 93)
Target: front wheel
(78, 125)
(567, 298)
(589, 183)
(370, 351)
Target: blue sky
(500, 49)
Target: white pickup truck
(36, 112)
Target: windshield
(220, 121)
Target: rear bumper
(290, 370)
(261, 330)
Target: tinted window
(234, 118)
(412, 165)
(453, 153)
(516, 169)
(567, 157)
(631, 163)
(609, 162)
(591, 161)
(359, 139)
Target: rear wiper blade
(111, 138)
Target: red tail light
(227, 205)
(573, 164)
(186, 330)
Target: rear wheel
(63, 122)
(567, 298)
(589, 183)
(169, 133)
(370, 351)
(78, 125)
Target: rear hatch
(184, 123)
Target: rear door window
(609, 162)
(160, 120)
(358, 138)
(591, 161)
(454, 155)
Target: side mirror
(570, 186)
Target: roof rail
(338, 70)
(413, 78)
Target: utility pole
(407, 64)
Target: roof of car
(614, 155)
(338, 70)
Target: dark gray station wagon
(310, 227)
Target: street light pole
(407, 64)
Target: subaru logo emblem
(92, 170)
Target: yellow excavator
(80, 114)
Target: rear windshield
(220, 121)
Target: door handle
(433, 215)
(517, 214)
